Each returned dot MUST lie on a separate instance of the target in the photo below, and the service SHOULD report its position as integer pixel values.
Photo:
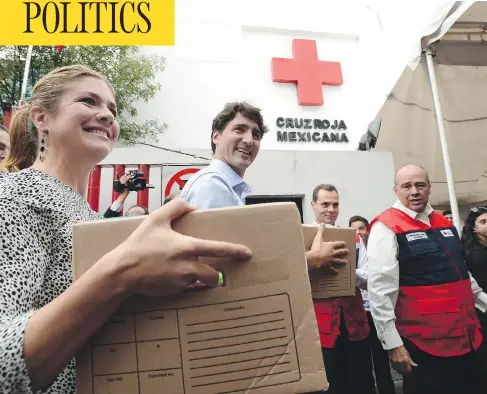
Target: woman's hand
(157, 261)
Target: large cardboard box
(257, 334)
(323, 283)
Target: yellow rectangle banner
(76, 22)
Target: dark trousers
(483, 329)
(380, 358)
(444, 375)
(349, 365)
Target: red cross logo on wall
(307, 72)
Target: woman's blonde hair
(46, 94)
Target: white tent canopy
(409, 125)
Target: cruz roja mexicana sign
(301, 130)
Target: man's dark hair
(447, 212)
(145, 209)
(228, 114)
(358, 218)
(469, 238)
(2, 127)
(323, 186)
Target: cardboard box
(256, 334)
(328, 285)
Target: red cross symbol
(307, 72)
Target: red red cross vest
(435, 308)
(328, 314)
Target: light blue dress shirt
(216, 186)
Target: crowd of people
(419, 305)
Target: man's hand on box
(326, 255)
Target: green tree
(132, 74)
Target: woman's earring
(42, 154)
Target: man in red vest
(342, 322)
(421, 295)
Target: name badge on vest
(415, 236)
(447, 233)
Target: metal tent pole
(443, 141)
(26, 75)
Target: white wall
(364, 179)
(223, 52)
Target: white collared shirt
(216, 186)
(383, 275)
(116, 206)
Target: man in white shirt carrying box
(342, 322)
(235, 141)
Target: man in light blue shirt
(235, 141)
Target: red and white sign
(307, 72)
(177, 179)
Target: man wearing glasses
(422, 297)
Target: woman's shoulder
(42, 193)
(27, 186)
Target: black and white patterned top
(37, 212)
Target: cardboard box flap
(324, 284)
(256, 334)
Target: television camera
(136, 182)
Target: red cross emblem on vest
(307, 72)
